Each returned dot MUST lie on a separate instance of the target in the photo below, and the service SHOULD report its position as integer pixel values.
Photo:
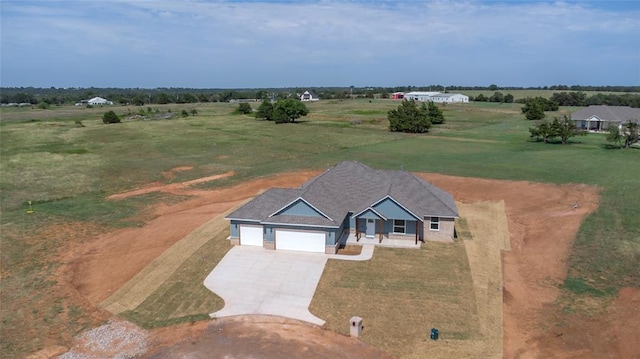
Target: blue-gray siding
(369, 214)
(235, 229)
(390, 209)
(300, 208)
(269, 233)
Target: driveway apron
(253, 280)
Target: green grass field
(67, 171)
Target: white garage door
(300, 241)
(250, 236)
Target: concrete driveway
(253, 280)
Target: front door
(371, 228)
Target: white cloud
(476, 38)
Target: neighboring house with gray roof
(601, 117)
(347, 199)
(309, 96)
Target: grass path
(134, 292)
(488, 223)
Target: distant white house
(96, 101)
(99, 101)
(420, 95)
(309, 96)
(436, 97)
(449, 98)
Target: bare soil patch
(246, 336)
(349, 250)
(169, 188)
(542, 226)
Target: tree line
(141, 96)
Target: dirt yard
(542, 225)
(246, 336)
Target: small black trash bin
(434, 334)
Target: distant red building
(397, 95)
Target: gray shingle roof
(350, 187)
(608, 113)
(265, 204)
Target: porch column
(417, 232)
(380, 229)
(357, 229)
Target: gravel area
(116, 339)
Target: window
(399, 226)
(435, 224)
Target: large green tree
(289, 110)
(435, 114)
(497, 97)
(408, 117)
(542, 131)
(282, 111)
(481, 98)
(508, 98)
(565, 129)
(265, 111)
(544, 103)
(629, 133)
(533, 111)
(244, 108)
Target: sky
(323, 43)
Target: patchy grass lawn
(183, 297)
(401, 294)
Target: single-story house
(420, 95)
(95, 101)
(449, 98)
(601, 117)
(347, 199)
(437, 97)
(309, 96)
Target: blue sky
(250, 44)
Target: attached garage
(304, 241)
(251, 236)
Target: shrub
(110, 117)
(244, 108)
(410, 118)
